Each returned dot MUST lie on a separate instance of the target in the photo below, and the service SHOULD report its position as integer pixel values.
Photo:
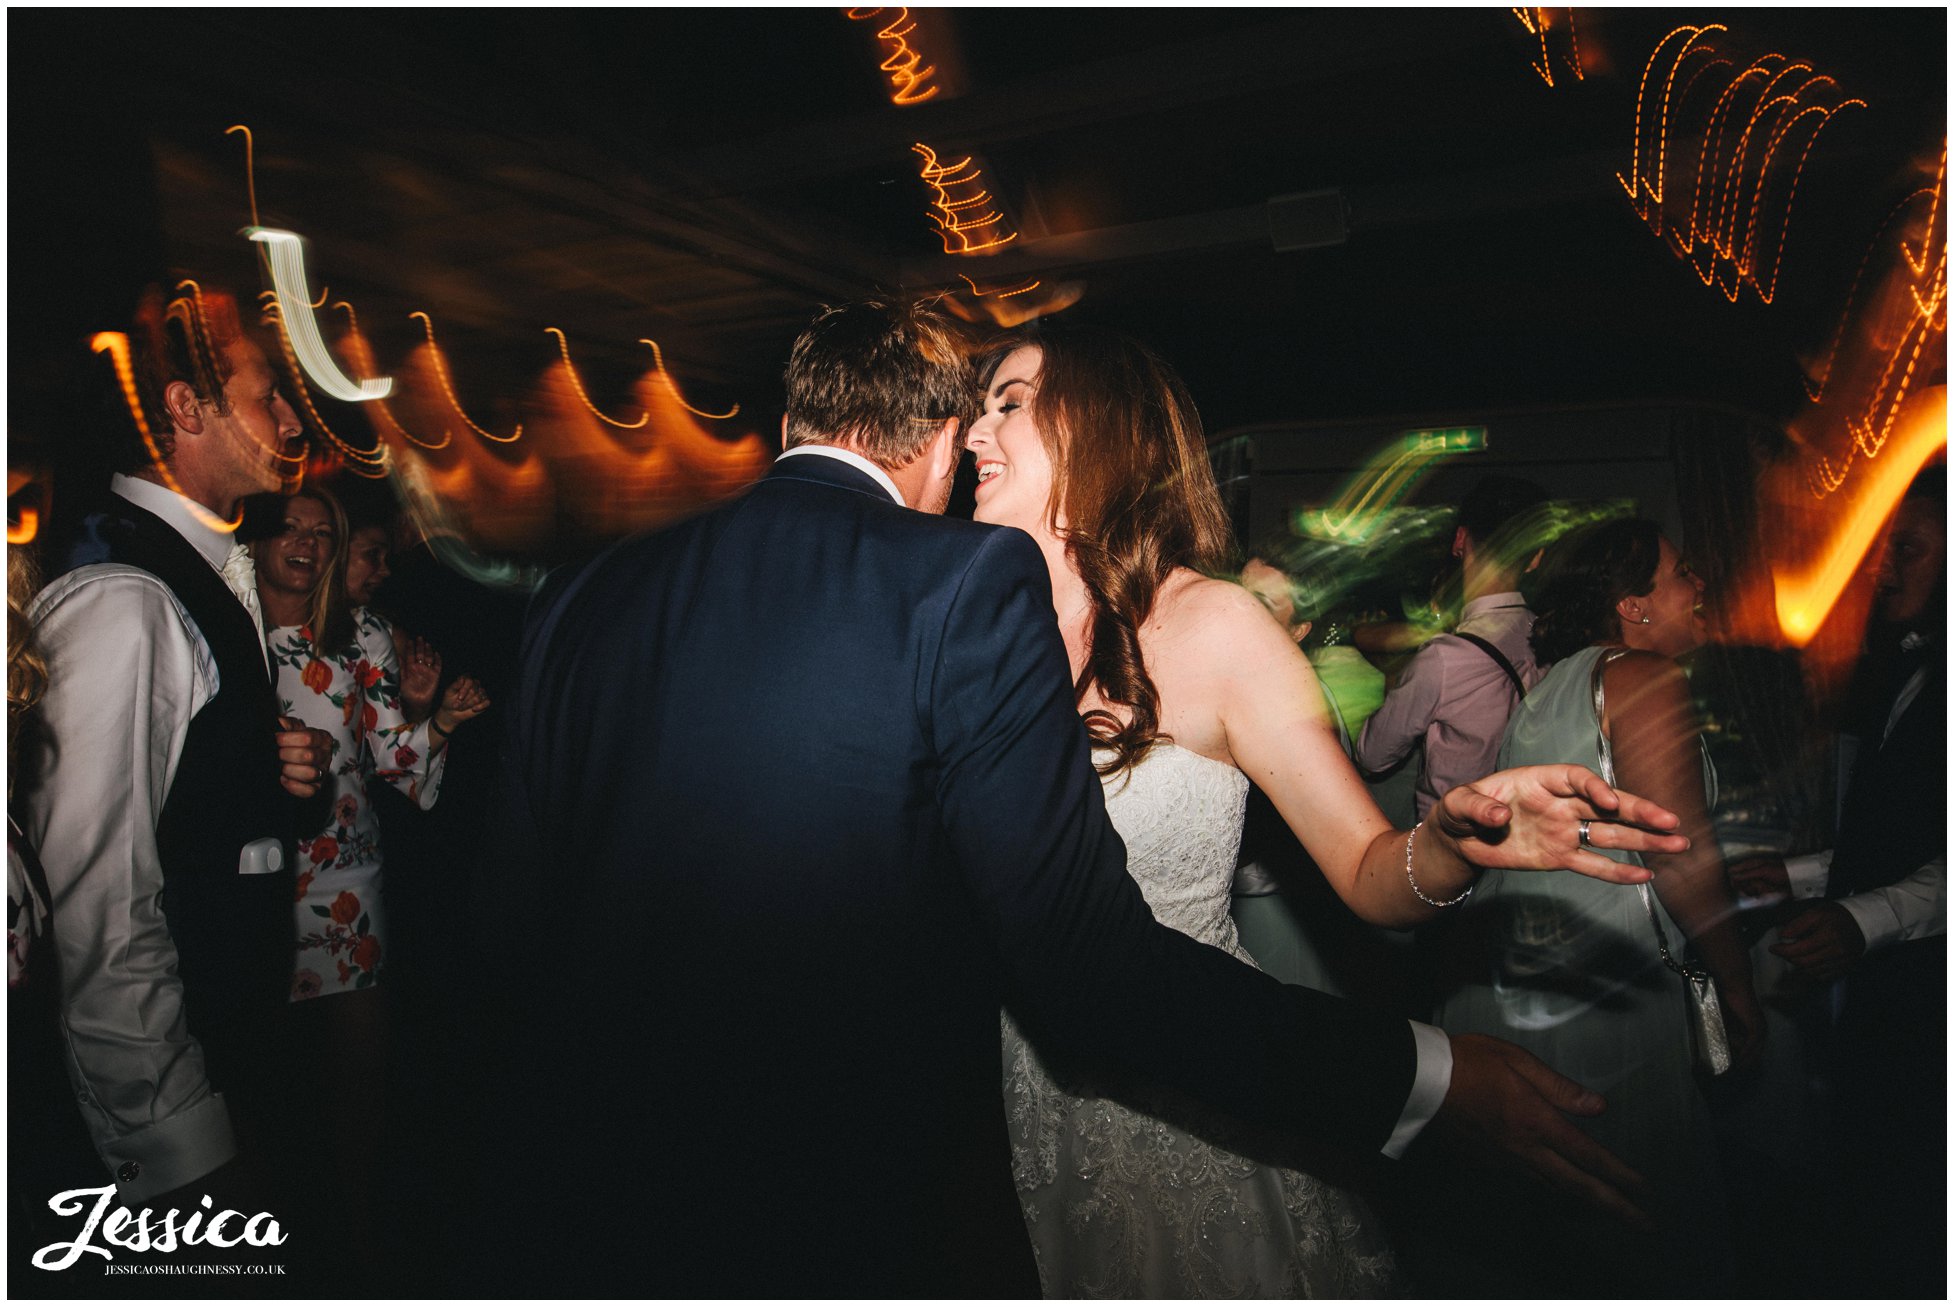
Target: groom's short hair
(183, 337)
(880, 377)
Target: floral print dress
(353, 695)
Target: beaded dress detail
(1138, 1198)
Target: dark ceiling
(707, 177)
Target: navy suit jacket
(806, 797)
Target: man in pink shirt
(1456, 693)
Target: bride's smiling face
(1014, 467)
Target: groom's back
(772, 989)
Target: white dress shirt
(1455, 699)
(127, 670)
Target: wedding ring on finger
(1586, 829)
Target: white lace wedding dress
(1123, 1204)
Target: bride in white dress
(1190, 690)
(1137, 1197)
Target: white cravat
(242, 577)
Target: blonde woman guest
(337, 671)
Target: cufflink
(128, 1172)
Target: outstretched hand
(420, 675)
(1510, 1109)
(1761, 878)
(1821, 943)
(1530, 818)
(465, 699)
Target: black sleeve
(1082, 953)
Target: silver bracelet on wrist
(1463, 895)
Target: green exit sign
(1446, 440)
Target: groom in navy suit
(805, 798)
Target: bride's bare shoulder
(1205, 611)
(1189, 590)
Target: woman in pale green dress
(1569, 967)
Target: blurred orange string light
(1636, 179)
(27, 497)
(24, 531)
(1539, 22)
(908, 80)
(250, 170)
(1730, 236)
(1919, 263)
(671, 383)
(369, 463)
(958, 187)
(1707, 176)
(1922, 325)
(448, 388)
(563, 342)
(967, 218)
(1000, 293)
(1740, 251)
(356, 345)
(1815, 385)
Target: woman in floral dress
(337, 670)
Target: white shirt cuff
(1808, 873)
(1909, 909)
(1429, 1085)
(170, 1153)
(1875, 918)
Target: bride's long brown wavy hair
(1131, 479)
